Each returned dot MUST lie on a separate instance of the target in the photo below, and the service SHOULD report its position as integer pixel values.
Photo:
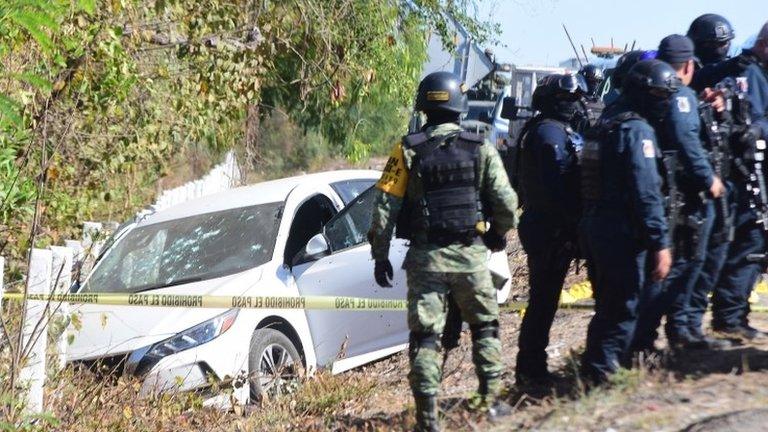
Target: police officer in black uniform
(696, 183)
(593, 76)
(624, 228)
(549, 195)
(623, 65)
(728, 269)
(712, 35)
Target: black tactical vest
(532, 193)
(451, 207)
(590, 158)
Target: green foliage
(101, 99)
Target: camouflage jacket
(396, 185)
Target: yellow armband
(394, 180)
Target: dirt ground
(695, 391)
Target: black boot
(490, 391)
(426, 414)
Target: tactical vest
(530, 190)
(516, 154)
(590, 161)
(451, 206)
(591, 171)
(594, 109)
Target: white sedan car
(297, 236)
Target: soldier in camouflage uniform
(440, 188)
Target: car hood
(105, 330)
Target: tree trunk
(252, 124)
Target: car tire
(274, 363)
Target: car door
(348, 271)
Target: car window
(350, 227)
(189, 249)
(348, 190)
(309, 220)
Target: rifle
(674, 201)
(719, 154)
(749, 162)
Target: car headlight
(194, 336)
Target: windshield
(187, 250)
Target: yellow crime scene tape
(207, 301)
(571, 298)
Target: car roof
(259, 193)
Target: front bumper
(221, 362)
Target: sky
(533, 33)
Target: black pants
(548, 262)
(737, 276)
(619, 270)
(672, 297)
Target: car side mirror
(316, 248)
(509, 108)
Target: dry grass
(665, 395)
(79, 401)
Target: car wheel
(274, 364)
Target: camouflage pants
(475, 295)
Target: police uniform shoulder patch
(683, 104)
(394, 179)
(649, 148)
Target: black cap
(675, 49)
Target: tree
(99, 99)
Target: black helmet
(625, 63)
(710, 28)
(711, 34)
(649, 86)
(557, 85)
(559, 95)
(441, 91)
(593, 75)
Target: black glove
(383, 273)
(494, 241)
